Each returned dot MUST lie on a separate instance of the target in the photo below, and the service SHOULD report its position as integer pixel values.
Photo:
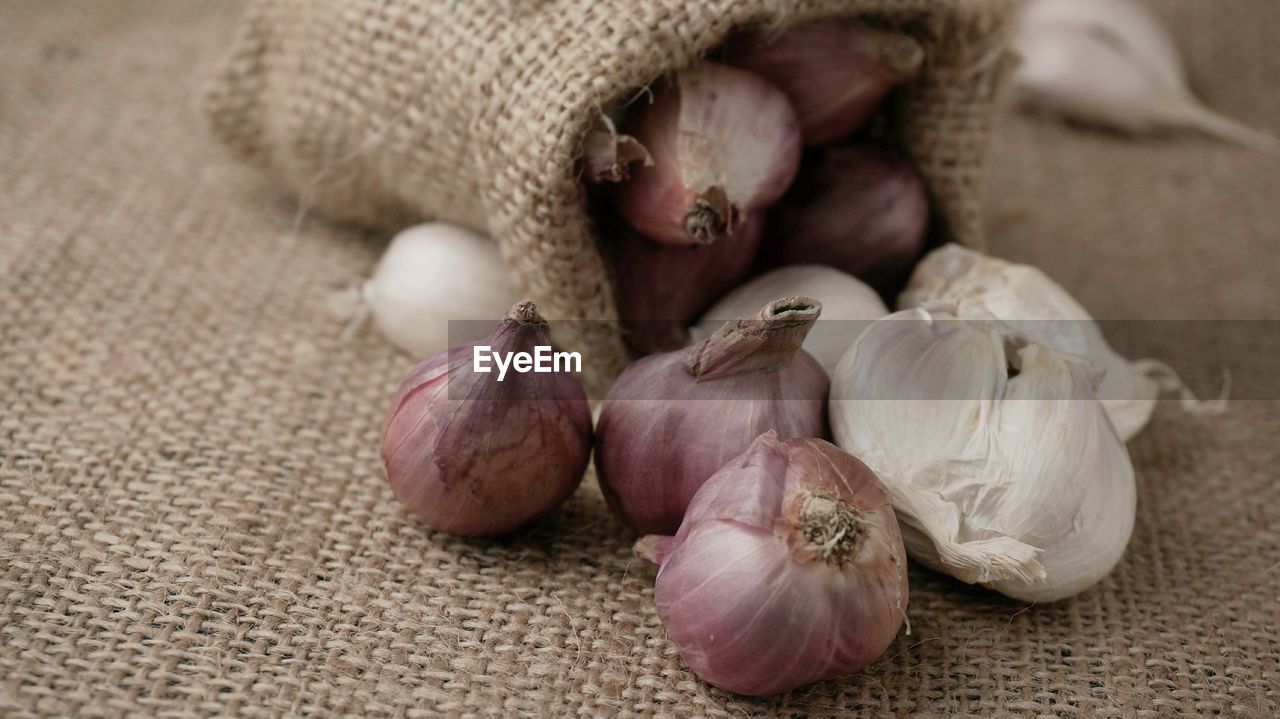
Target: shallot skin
(724, 143)
(476, 457)
(861, 208)
(762, 590)
(835, 73)
(661, 288)
(670, 422)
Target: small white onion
(431, 274)
(848, 306)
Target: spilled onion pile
(980, 429)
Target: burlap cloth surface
(193, 518)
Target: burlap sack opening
(389, 111)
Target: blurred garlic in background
(1110, 63)
(431, 274)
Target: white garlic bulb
(848, 306)
(1003, 468)
(1110, 63)
(1026, 298)
(428, 275)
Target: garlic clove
(1110, 63)
(848, 306)
(788, 568)
(835, 73)
(472, 454)
(428, 275)
(724, 143)
(1003, 468)
(1029, 300)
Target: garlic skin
(861, 208)
(1028, 300)
(1110, 63)
(475, 456)
(835, 73)
(431, 274)
(671, 420)
(1003, 468)
(848, 306)
(661, 288)
(787, 569)
(724, 144)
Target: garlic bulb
(1027, 299)
(484, 453)
(428, 275)
(787, 569)
(848, 306)
(1109, 62)
(1003, 468)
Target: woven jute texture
(473, 111)
(193, 517)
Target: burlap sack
(472, 111)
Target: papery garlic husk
(848, 306)
(1002, 466)
(671, 420)
(608, 156)
(861, 208)
(1027, 299)
(661, 288)
(429, 275)
(473, 455)
(724, 143)
(788, 568)
(1110, 63)
(835, 73)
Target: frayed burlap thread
(383, 112)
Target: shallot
(834, 72)
(860, 208)
(476, 453)
(788, 568)
(848, 306)
(661, 288)
(673, 419)
(724, 143)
